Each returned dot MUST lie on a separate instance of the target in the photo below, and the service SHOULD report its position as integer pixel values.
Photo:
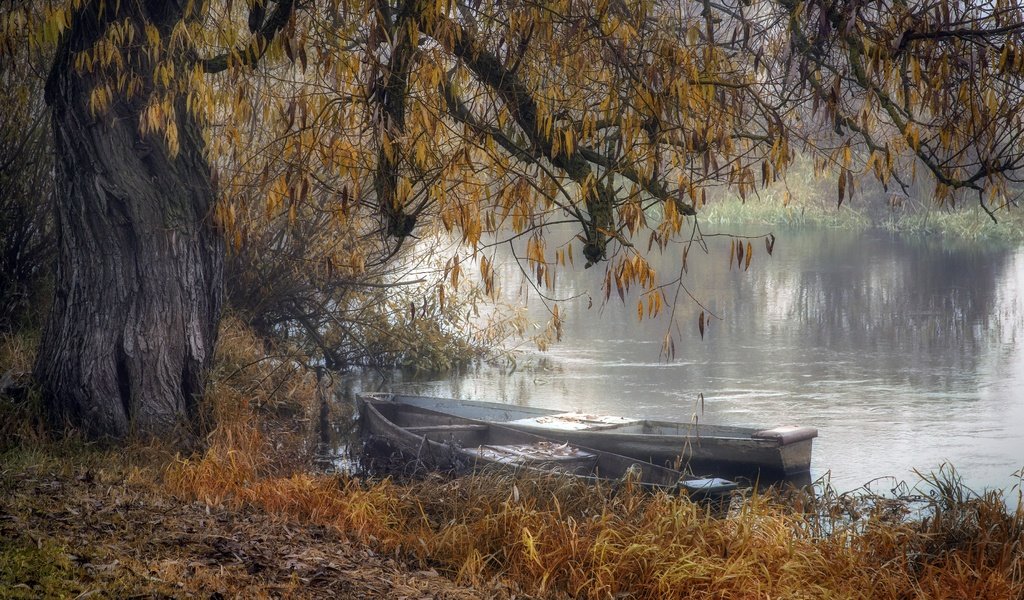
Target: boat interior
(499, 444)
(549, 455)
(495, 443)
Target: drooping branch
(970, 164)
(577, 166)
(460, 112)
(258, 44)
(522, 106)
(510, 88)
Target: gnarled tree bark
(138, 282)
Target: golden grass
(258, 399)
(558, 538)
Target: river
(904, 353)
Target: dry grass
(554, 538)
(558, 539)
(261, 401)
(18, 352)
(91, 526)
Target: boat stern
(794, 444)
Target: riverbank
(251, 516)
(90, 524)
(79, 522)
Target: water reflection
(903, 353)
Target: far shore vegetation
(807, 200)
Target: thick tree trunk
(138, 281)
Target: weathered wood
(787, 434)
(444, 428)
(435, 440)
(781, 453)
(138, 281)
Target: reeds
(558, 538)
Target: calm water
(904, 354)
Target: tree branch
(258, 44)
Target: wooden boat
(767, 455)
(439, 441)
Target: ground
(83, 532)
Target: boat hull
(755, 454)
(429, 440)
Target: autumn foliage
(338, 132)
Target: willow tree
(484, 120)
(139, 271)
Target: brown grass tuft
(259, 400)
(559, 539)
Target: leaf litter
(70, 531)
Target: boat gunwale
(726, 433)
